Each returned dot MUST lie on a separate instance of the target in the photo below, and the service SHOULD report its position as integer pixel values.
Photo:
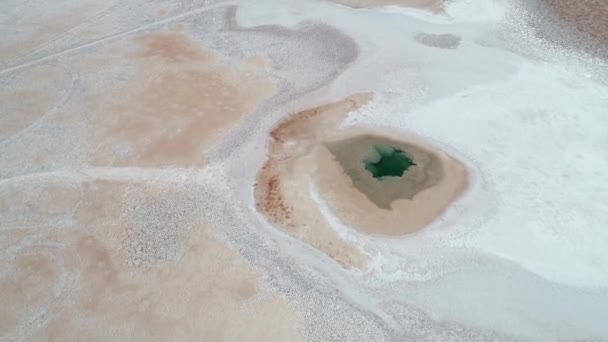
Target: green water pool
(387, 161)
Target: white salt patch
(539, 138)
(477, 10)
(456, 11)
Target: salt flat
(187, 170)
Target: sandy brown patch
(587, 18)
(434, 6)
(301, 162)
(286, 203)
(78, 283)
(426, 173)
(179, 101)
(255, 64)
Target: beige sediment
(584, 22)
(180, 100)
(299, 158)
(441, 41)
(81, 278)
(82, 265)
(30, 96)
(282, 186)
(37, 34)
(349, 152)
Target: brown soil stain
(588, 16)
(179, 101)
(27, 287)
(272, 200)
(38, 204)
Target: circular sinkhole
(387, 161)
(386, 170)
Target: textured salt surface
(442, 41)
(132, 132)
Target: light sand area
(430, 5)
(309, 152)
(106, 260)
(441, 41)
(179, 101)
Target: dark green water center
(387, 161)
